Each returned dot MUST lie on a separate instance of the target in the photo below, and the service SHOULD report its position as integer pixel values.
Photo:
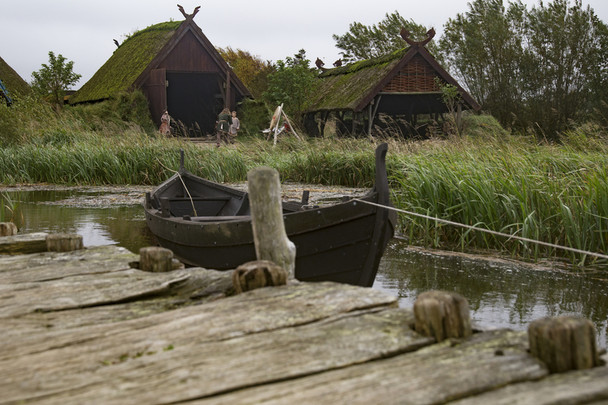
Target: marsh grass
(485, 178)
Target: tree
(251, 70)
(540, 69)
(366, 42)
(568, 56)
(483, 50)
(293, 84)
(52, 81)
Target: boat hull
(342, 242)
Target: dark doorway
(195, 100)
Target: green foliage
(367, 42)
(251, 70)
(123, 111)
(52, 80)
(254, 116)
(540, 69)
(293, 84)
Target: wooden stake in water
(269, 236)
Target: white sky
(82, 30)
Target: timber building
(401, 85)
(177, 68)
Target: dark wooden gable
(189, 78)
(415, 73)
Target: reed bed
(487, 178)
(554, 194)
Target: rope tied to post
(496, 233)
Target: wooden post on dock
(257, 274)
(442, 315)
(155, 259)
(269, 236)
(63, 242)
(563, 343)
(8, 229)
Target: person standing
(165, 124)
(224, 120)
(234, 127)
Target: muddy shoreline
(108, 196)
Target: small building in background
(392, 90)
(177, 68)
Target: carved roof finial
(188, 16)
(405, 34)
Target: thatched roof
(128, 62)
(352, 87)
(12, 81)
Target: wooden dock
(84, 327)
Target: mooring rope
(183, 184)
(475, 228)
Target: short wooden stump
(155, 259)
(442, 315)
(63, 242)
(258, 274)
(563, 343)
(8, 229)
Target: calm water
(500, 294)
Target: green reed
(552, 193)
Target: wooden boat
(208, 225)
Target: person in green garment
(224, 121)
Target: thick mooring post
(155, 259)
(269, 236)
(442, 315)
(563, 343)
(63, 242)
(8, 229)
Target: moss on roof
(12, 81)
(343, 88)
(129, 61)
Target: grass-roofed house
(401, 86)
(177, 68)
(12, 84)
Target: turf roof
(127, 63)
(343, 88)
(12, 81)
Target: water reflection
(46, 211)
(500, 294)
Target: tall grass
(554, 194)
(487, 178)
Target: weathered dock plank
(577, 387)
(436, 374)
(181, 355)
(85, 327)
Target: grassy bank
(486, 178)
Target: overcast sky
(82, 30)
